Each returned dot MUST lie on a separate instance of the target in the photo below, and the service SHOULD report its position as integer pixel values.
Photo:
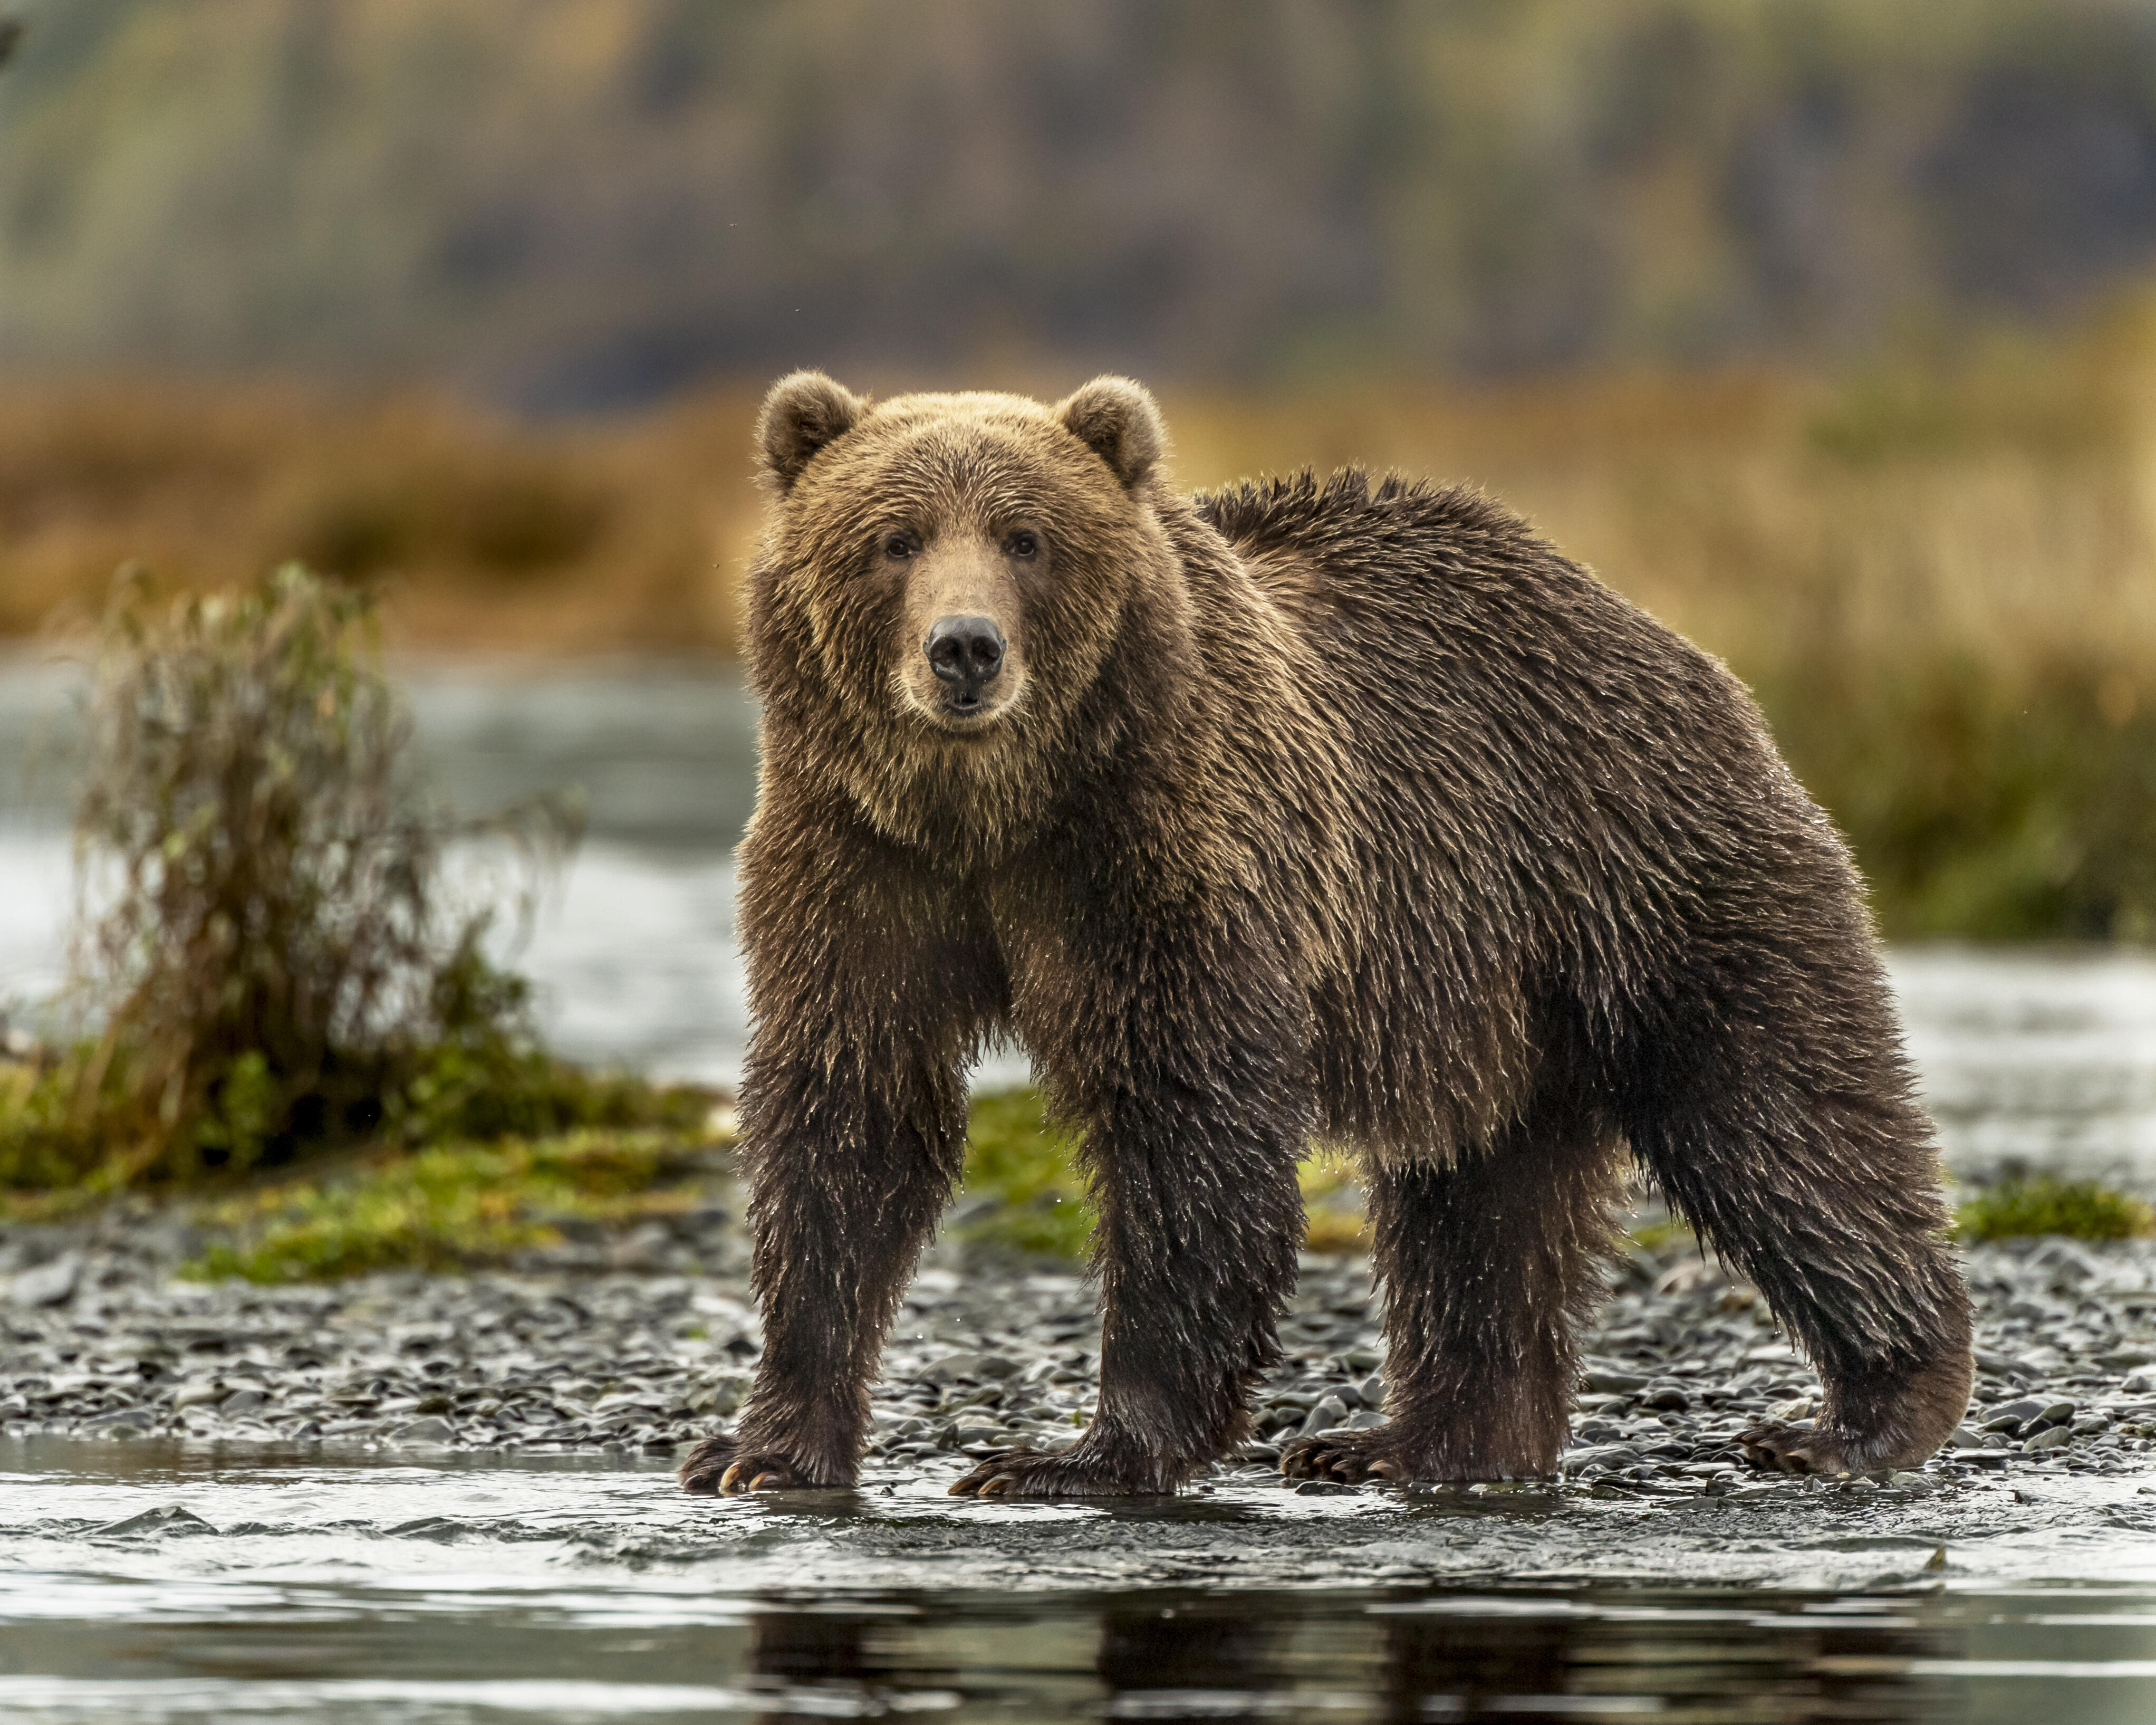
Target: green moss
(2081, 1209)
(452, 1207)
(1015, 1156)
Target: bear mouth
(964, 711)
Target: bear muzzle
(967, 654)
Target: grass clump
(2042, 1203)
(261, 928)
(1017, 1156)
(1014, 1154)
(454, 1206)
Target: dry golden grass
(486, 534)
(1939, 573)
(2004, 507)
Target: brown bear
(1304, 810)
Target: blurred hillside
(578, 204)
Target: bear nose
(965, 651)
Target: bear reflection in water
(1312, 810)
(1199, 1657)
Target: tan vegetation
(1940, 573)
(484, 534)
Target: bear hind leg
(1488, 1264)
(1815, 1178)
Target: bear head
(944, 580)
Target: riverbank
(640, 1342)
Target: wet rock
(590, 1358)
(48, 1284)
(171, 1521)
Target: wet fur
(1330, 809)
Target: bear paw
(1073, 1472)
(700, 1474)
(1353, 1457)
(718, 1467)
(1806, 1446)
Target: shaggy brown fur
(1313, 809)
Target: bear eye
(899, 547)
(1023, 543)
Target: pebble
(47, 1284)
(104, 1343)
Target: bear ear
(1117, 420)
(803, 413)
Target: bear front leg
(869, 983)
(845, 1187)
(1201, 1220)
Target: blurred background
(1825, 330)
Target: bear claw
(756, 1473)
(1350, 1457)
(717, 1468)
(1795, 1446)
(1047, 1473)
(699, 1473)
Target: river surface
(145, 1581)
(139, 1583)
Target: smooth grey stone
(242, 1401)
(170, 1519)
(1330, 1411)
(48, 1284)
(428, 1429)
(1608, 1455)
(2051, 1437)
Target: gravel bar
(621, 1345)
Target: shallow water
(481, 1589)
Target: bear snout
(967, 654)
